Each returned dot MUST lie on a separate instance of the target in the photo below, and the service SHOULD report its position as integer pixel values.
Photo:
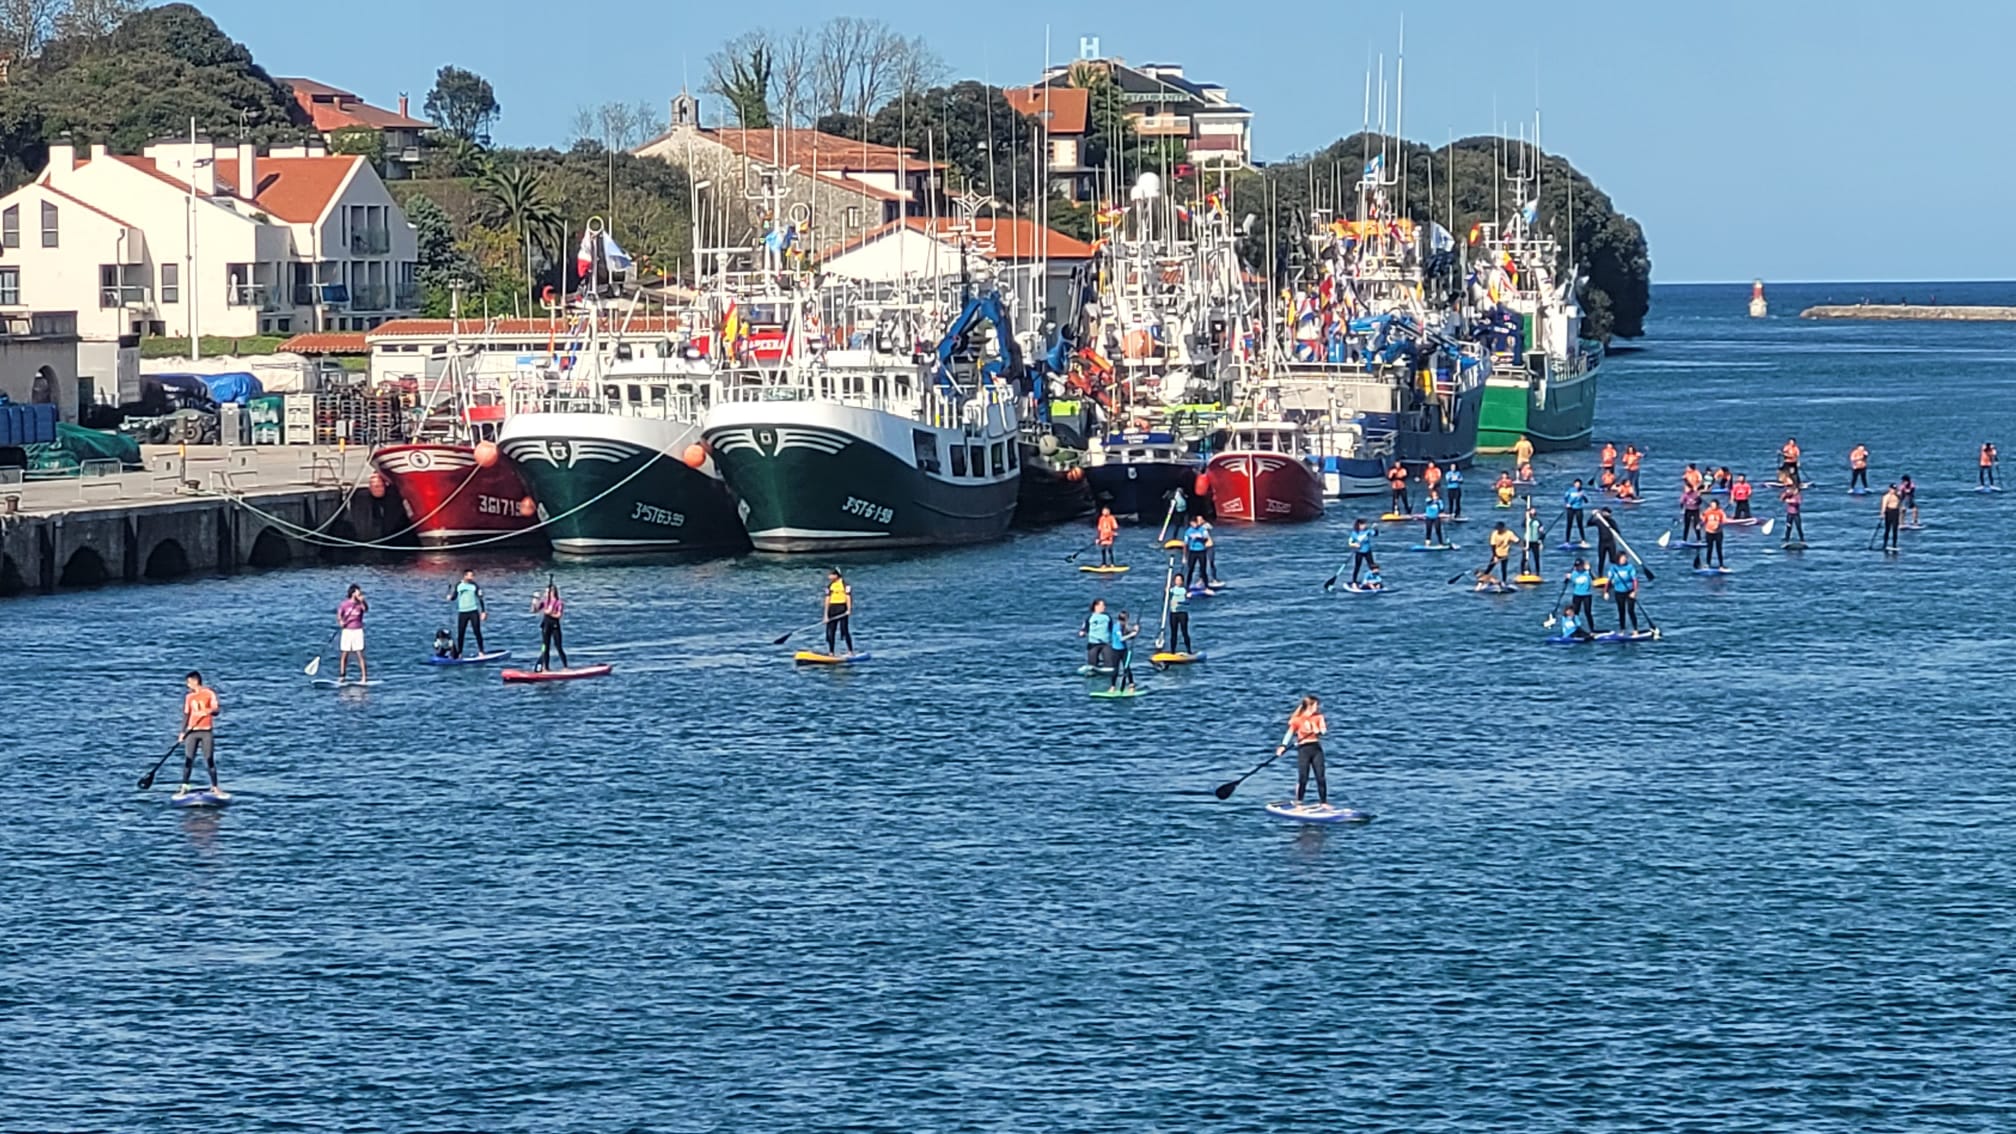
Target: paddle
(147, 780)
(1666, 538)
(314, 665)
(1619, 537)
(1168, 585)
(1556, 605)
(1163, 536)
(786, 636)
(1225, 790)
(1071, 558)
(1768, 526)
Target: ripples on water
(1754, 877)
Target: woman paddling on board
(1505, 490)
(839, 613)
(1907, 496)
(1606, 538)
(1893, 517)
(1360, 542)
(1989, 459)
(1722, 482)
(471, 611)
(1575, 506)
(1582, 592)
(1624, 590)
(1197, 543)
(1108, 528)
(1788, 461)
(1739, 495)
(1529, 556)
(1795, 526)
(1431, 515)
(1712, 519)
(199, 719)
(1178, 599)
(350, 633)
(1307, 727)
(1858, 469)
(1453, 484)
(1522, 453)
(1122, 642)
(1690, 513)
(549, 607)
(1098, 634)
(1632, 459)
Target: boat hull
(610, 484)
(1562, 418)
(1140, 489)
(820, 476)
(450, 499)
(1048, 494)
(1264, 488)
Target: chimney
(402, 106)
(62, 158)
(100, 150)
(248, 184)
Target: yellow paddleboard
(1601, 581)
(1104, 570)
(1172, 545)
(811, 657)
(1176, 659)
(1527, 579)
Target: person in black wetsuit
(1606, 538)
(549, 608)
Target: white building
(1010, 250)
(287, 241)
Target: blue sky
(1843, 140)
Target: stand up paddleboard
(1316, 813)
(1433, 547)
(531, 676)
(1360, 589)
(1177, 659)
(1528, 579)
(1116, 694)
(1494, 587)
(1400, 517)
(1095, 671)
(472, 659)
(1796, 545)
(812, 657)
(1714, 570)
(1746, 522)
(1618, 636)
(1987, 488)
(1576, 545)
(1692, 544)
(1910, 527)
(1116, 570)
(1858, 492)
(1204, 592)
(346, 683)
(202, 797)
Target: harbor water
(1758, 875)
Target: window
(1000, 460)
(122, 285)
(10, 227)
(979, 459)
(171, 283)
(958, 460)
(49, 218)
(1014, 457)
(926, 447)
(10, 286)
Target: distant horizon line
(1768, 282)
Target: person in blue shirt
(1454, 483)
(1374, 581)
(1431, 513)
(1196, 549)
(1575, 502)
(1179, 615)
(1360, 541)
(1098, 634)
(1573, 627)
(470, 611)
(1123, 653)
(1624, 589)
(1581, 591)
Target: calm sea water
(1758, 876)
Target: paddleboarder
(1307, 726)
(1712, 519)
(1502, 541)
(1893, 516)
(471, 611)
(1179, 617)
(1374, 581)
(1624, 590)
(1431, 515)
(1788, 461)
(350, 633)
(1123, 635)
(1454, 483)
(1197, 543)
(1505, 489)
(1573, 627)
(1795, 525)
(1989, 459)
(1575, 505)
(839, 607)
(549, 607)
(1529, 556)
(1522, 452)
(1108, 529)
(199, 720)
(1396, 485)
(1097, 631)
(1907, 496)
(1632, 460)
(1607, 462)
(1739, 495)
(1582, 591)
(1360, 542)
(1690, 513)
(1606, 537)
(1858, 469)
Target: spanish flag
(1476, 232)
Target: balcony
(245, 295)
(132, 295)
(371, 297)
(307, 295)
(406, 297)
(371, 242)
(1162, 125)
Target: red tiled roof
(476, 328)
(1070, 108)
(333, 108)
(1013, 238)
(819, 152)
(295, 189)
(873, 192)
(327, 342)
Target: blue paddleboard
(1356, 589)
(468, 659)
(1615, 636)
(1117, 694)
(347, 683)
(1576, 545)
(1714, 570)
(1433, 547)
(202, 797)
(1316, 813)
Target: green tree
(515, 201)
(463, 104)
(363, 141)
(740, 72)
(969, 126)
(442, 263)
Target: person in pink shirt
(350, 633)
(550, 607)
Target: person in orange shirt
(1691, 478)
(1307, 726)
(199, 719)
(1504, 489)
(1522, 450)
(1712, 519)
(1627, 491)
(1632, 459)
(1431, 477)
(1108, 529)
(1739, 495)
(1989, 459)
(1609, 481)
(1858, 469)
(1609, 456)
(1396, 482)
(1788, 461)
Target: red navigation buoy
(695, 455)
(486, 454)
(1202, 485)
(528, 507)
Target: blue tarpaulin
(239, 387)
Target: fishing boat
(1543, 372)
(1265, 474)
(862, 447)
(1136, 472)
(450, 483)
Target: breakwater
(1911, 312)
(206, 510)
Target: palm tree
(515, 199)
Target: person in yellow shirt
(839, 612)
(1503, 540)
(1522, 450)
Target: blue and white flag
(1373, 167)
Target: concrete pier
(181, 516)
(1911, 311)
